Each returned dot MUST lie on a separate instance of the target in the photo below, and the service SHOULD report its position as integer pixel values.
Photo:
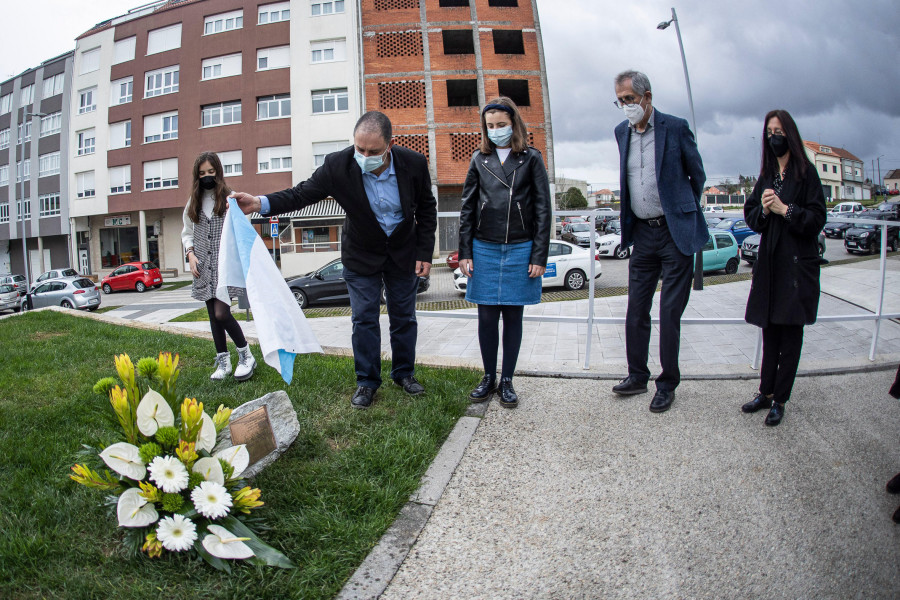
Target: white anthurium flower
(134, 511)
(176, 533)
(207, 438)
(211, 469)
(237, 457)
(154, 412)
(124, 459)
(221, 543)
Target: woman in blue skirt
(504, 238)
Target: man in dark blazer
(388, 239)
(661, 177)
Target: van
(846, 207)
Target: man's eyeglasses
(626, 101)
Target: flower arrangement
(169, 492)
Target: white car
(714, 209)
(567, 265)
(611, 245)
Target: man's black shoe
(362, 397)
(484, 390)
(630, 386)
(776, 413)
(759, 402)
(662, 400)
(410, 385)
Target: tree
(572, 199)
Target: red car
(132, 276)
(453, 260)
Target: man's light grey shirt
(641, 165)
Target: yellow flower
(150, 492)
(246, 499)
(168, 365)
(125, 369)
(220, 419)
(153, 547)
(187, 453)
(124, 411)
(85, 476)
(191, 419)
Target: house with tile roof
(841, 172)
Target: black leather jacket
(506, 203)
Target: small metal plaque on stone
(254, 430)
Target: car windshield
(69, 273)
(725, 224)
(83, 283)
(147, 266)
(581, 226)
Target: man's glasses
(626, 101)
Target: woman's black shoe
(776, 413)
(508, 398)
(757, 403)
(483, 391)
(893, 486)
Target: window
(48, 164)
(272, 13)
(856, 172)
(166, 38)
(121, 91)
(273, 107)
(327, 8)
(723, 241)
(84, 184)
(123, 50)
(87, 100)
(508, 41)
(161, 127)
(50, 124)
(321, 149)
(516, 90)
(223, 22)
(161, 81)
(5, 104)
(824, 168)
(224, 113)
(274, 159)
(120, 179)
(511, 3)
(49, 205)
(86, 141)
(27, 127)
(26, 95)
(4, 175)
(458, 41)
(4, 212)
(119, 135)
(90, 61)
(462, 92)
(329, 51)
(19, 170)
(53, 85)
(328, 101)
(221, 66)
(4, 138)
(232, 163)
(273, 58)
(834, 168)
(161, 174)
(24, 208)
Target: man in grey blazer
(661, 177)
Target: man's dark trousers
(655, 255)
(365, 305)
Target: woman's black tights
(489, 336)
(220, 321)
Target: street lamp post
(698, 258)
(21, 206)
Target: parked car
(892, 208)
(54, 274)
(894, 192)
(614, 226)
(611, 245)
(17, 281)
(836, 230)
(720, 252)
(9, 297)
(453, 260)
(603, 216)
(71, 292)
(846, 207)
(568, 265)
(867, 238)
(578, 234)
(713, 209)
(326, 284)
(712, 218)
(750, 247)
(736, 227)
(132, 276)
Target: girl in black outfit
(787, 207)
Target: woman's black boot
(508, 398)
(482, 393)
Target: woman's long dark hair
(519, 141)
(221, 190)
(798, 162)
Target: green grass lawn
(328, 498)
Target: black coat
(785, 286)
(365, 247)
(506, 203)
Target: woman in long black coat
(787, 207)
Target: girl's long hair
(221, 190)
(798, 162)
(519, 140)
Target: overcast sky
(834, 65)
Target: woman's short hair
(519, 140)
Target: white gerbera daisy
(211, 500)
(168, 473)
(176, 533)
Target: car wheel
(107, 289)
(731, 266)
(575, 279)
(66, 304)
(621, 252)
(140, 287)
(301, 299)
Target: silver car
(54, 274)
(71, 292)
(17, 281)
(9, 297)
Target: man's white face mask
(634, 112)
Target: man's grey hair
(640, 83)
(375, 122)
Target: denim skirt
(500, 275)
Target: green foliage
(149, 451)
(103, 386)
(147, 367)
(172, 502)
(572, 199)
(167, 437)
